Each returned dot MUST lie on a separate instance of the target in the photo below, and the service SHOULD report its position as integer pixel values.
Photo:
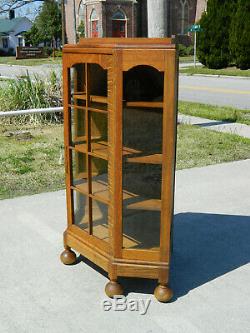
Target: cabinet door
(142, 168)
(87, 151)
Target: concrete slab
(216, 125)
(210, 264)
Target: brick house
(128, 18)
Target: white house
(11, 33)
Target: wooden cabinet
(120, 100)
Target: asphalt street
(227, 91)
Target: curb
(217, 76)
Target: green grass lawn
(215, 112)
(34, 165)
(231, 71)
(31, 166)
(29, 62)
(186, 59)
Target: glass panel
(119, 15)
(97, 87)
(99, 134)
(99, 171)
(78, 99)
(142, 171)
(78, 84)
(81, 214)
(100, 220)
(79, 171)
(78, 128)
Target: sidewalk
(210, 264)
(216, 125)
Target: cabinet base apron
(121, 267)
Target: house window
(20, 41)
(94, 24)
(5, 43)
(119, 24)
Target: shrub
(58, 53)
(185, 50)
(48, 50)
(213, 40)
(29, 93)
(239, 36)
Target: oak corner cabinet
(120, 101)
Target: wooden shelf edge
(147, 159)
(147, 204)
(92, 98)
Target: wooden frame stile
(67, 256)
(117, 57)
(88, 145)
(168, 173)
(115, 226)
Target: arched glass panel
(118, 15)
(93, 15)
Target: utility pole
(195, 46)
(157, 18)
(63, 22)
(74, 20)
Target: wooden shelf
(92, 98)
(100, 149)
(147, 204)
(148, 159)
(144, 104)
(132, 104)
(79, 107)
(100, 190)
(140, 203)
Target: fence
(30, 111)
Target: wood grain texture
(107, 246)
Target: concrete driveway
(210, 265)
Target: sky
(29, 10)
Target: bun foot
(163, 293)
(68, 257)
(113, 288)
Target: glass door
(142, 168)
(88, 150)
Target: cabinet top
(127, 43)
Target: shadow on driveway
(206, 246)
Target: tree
(81, 31)
(7, 5)
(48, 24)
(213, 40)
(32, 36)
(239, 35)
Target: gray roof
(7, 25)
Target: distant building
(11, 32)
(131, 18)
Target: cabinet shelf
(132, 104)
(90, 108)
(100, 192)
(92, 98)
(146, 204)
(144, 104)
(148, 159)
(100, 149)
